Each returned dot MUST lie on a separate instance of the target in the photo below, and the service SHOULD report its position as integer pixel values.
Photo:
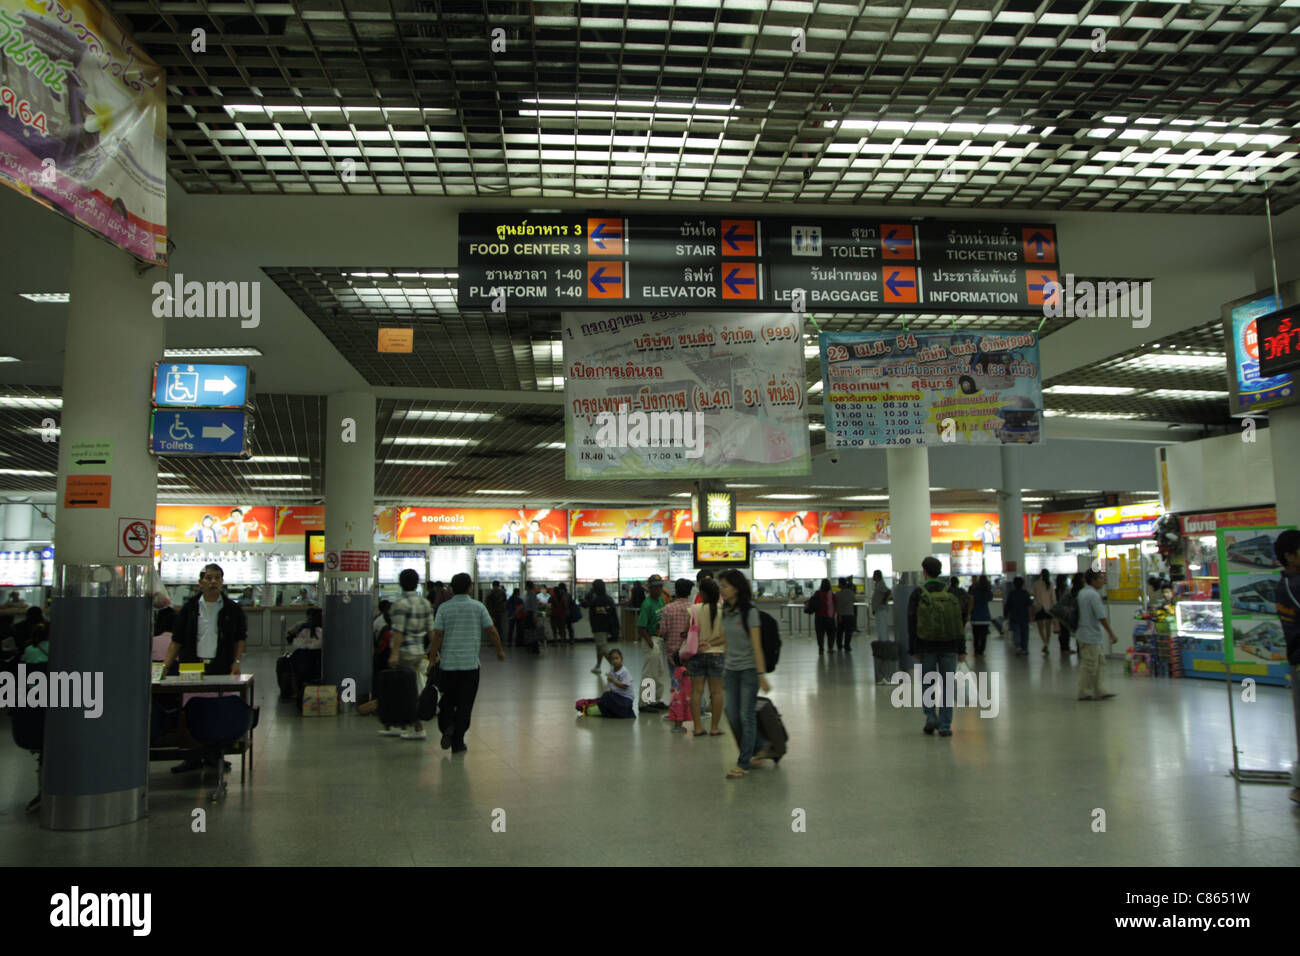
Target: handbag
(428, 706)
(691, 646)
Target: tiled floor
(1018, 788)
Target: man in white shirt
(1092, 621)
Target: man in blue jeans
(937, 638)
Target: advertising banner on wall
(780, 527)
(1127, 522)
(675, 394)
(850, 527)
(214, 524)
(965, 526)
(903, 388)
(967, 557)
(1062, 526)
(487, 525)
(608, 526)
(82, 121)
(292, 524)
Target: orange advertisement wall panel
(683, 530)
(607, 526)
(487, 525)
(215, 524)
(292, 524)
(851, 527)
(1063, 526)
(785, 527)
(964, 526)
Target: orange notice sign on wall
(88, 491)
(397, 340)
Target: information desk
(178, 744)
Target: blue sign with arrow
(599, 279)
(210, 432)
(599, 235)
(180, 385)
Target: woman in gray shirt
(745, 666)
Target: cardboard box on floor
(320, 700)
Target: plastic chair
(217, 724)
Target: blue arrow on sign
(598, 235)
(181, 385)
(892, 244)
(733, 282)
(894, 283)
(1039, 287)
(731, 239)
(183, 432)
(1038, 240)
(598, 278)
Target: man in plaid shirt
(412, 618)
(676, 618)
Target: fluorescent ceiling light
(865, 498)
(168, 474)
(934, 129)
(47, 298)
(1170, 360)
(553, 445)
(441, 415)
(788, 497)
(9, 358)
(687, 494)
(1185, 393)
(1094, 416)
(235, 109)
(1035, 499)
(816, 387)
(278, 459)
(277, 477)
(500, 491)
(29, 472)
(553, 381)
(811, 351)
(816, 426)
(416, 462)
(729, 485)
(174, 487)
(212, 353)
(25, 401)
(1087, 390)
(427, 440)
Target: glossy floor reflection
(1022, 787)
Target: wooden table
(178, 744)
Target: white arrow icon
(223, 385)
(222, 431)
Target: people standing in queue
(823, 601)
(654, 664)
(745, 668)
(880, 595)
(515, 616)
(495, 602)
(211, 629)
(846, 614)
(459, 627)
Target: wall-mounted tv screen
(721, 550)
(315, 550)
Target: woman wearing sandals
(744, 665)
(708, 664)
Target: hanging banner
(967, 557)
(83, 121)
(292, 524)
(674, 394)
(890, 388)
(605, 526)
(214, 524)
(487, 525)
(1062, 526)
(780, 527)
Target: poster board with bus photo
(1249, 575)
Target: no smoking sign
(134, 537)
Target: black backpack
(770, 635)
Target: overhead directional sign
(179, 385)
(774, 263)
(1277, 342)
(210, 432)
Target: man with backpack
(937, 638)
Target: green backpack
(938, 616)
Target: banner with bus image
(83, 121)
(1249, 576)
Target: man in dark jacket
(1287, 549)
(937, 655)
(210, 629)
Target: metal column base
(1260, 776)
(94, 810)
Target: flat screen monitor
(721, 550)
(315, 550)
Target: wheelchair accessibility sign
(179, 385)
(212, 433)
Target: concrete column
(349, 526)
(96, 770)
(908, 471)
(1011, 513)
(1284, 440)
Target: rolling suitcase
(284, 676)
(884, 657)
(398, 700)
(771, 730)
